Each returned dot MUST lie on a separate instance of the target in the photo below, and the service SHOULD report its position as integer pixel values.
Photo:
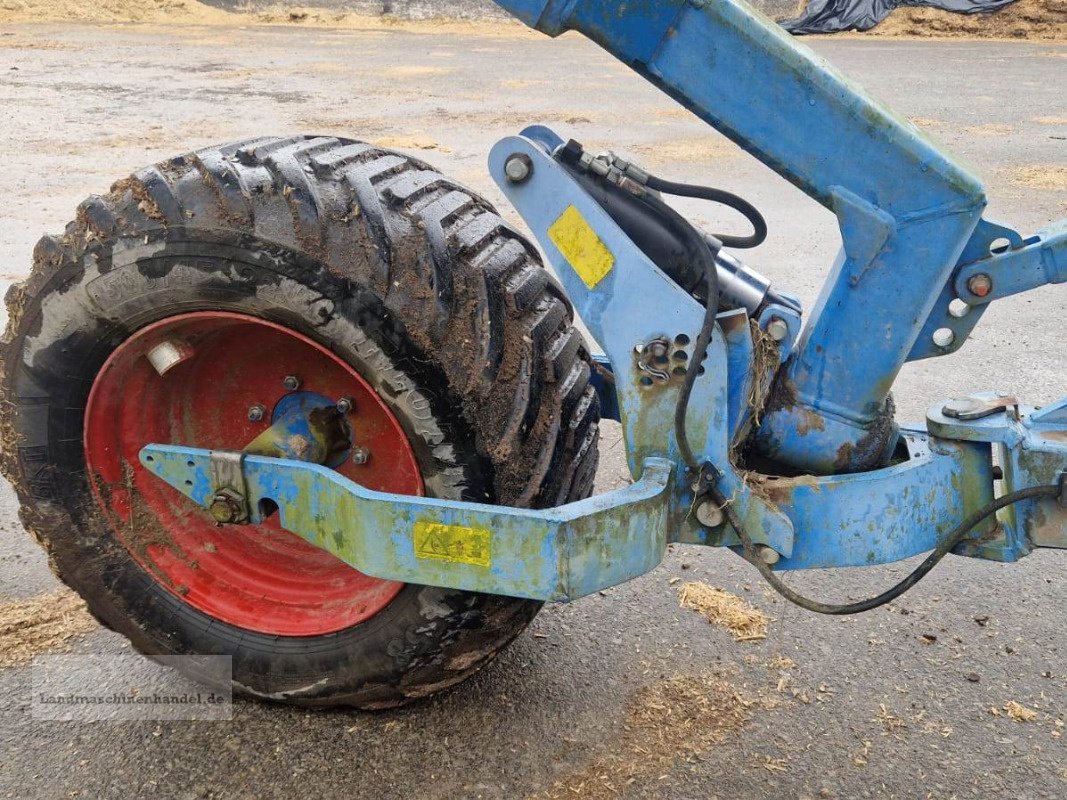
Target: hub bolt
(360, 455)
(980, 285)
(518, 168)
(777, 329)
(256, 413)
(709, 514)
(291, 382)
(228, 508)
(344, 405)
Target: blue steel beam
(553, 554)
(905, 209)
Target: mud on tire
(410, 278)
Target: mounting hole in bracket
(681, 340)
(999, 245)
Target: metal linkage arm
(552, 554)
(905, 209)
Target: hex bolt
(518, 168)
(344, 405)
(291, 382)
(256, 413)
(227, 508)
(709, 514)
(777, 329)
(360, 455)
(768, 555)
(980, 285)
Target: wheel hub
(221, 380)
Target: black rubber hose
(946, 545)
(949, 542)
(739, 204)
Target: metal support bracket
(553, 554)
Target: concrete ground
(894, 703)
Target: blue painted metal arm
(1040, 260)
(905, 209)
(554, 554)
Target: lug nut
(360, 455)
(709, 514)
(256, 413)
(291, 382)
(777, 329)
(980, 285)
(344, 405)
(518, 168)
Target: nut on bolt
(518, 168)
(291, 382)
(344, 405)
(228, 508)
(360, 455)
(256, 413)
(980, 285)
(777, 329)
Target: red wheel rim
(258, 577)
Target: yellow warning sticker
(582, 248)
(453, 543)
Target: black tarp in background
(831, 16)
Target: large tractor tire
(355, 271)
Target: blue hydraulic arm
(906, 211)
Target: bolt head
(256, 413)
(226, 509)
(709, 514)
(980, 285)
(344, 405)
(360, 455)
(777, 329)
(291, 382)
(768, 555)
(518, 168)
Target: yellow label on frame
(581, 246)
(453, 543)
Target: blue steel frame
(913, 239)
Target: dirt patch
(1023, 19)
(989, 129)
(926, 122)
(696, 149)
(665, 724)
(191, 12)
(183, 11)
(746, 622)
(40, 625)
(1050, 120)
(413, 142)
(1041, 177)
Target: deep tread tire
(408, 276)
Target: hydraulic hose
(709, 475)
(722, 197)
